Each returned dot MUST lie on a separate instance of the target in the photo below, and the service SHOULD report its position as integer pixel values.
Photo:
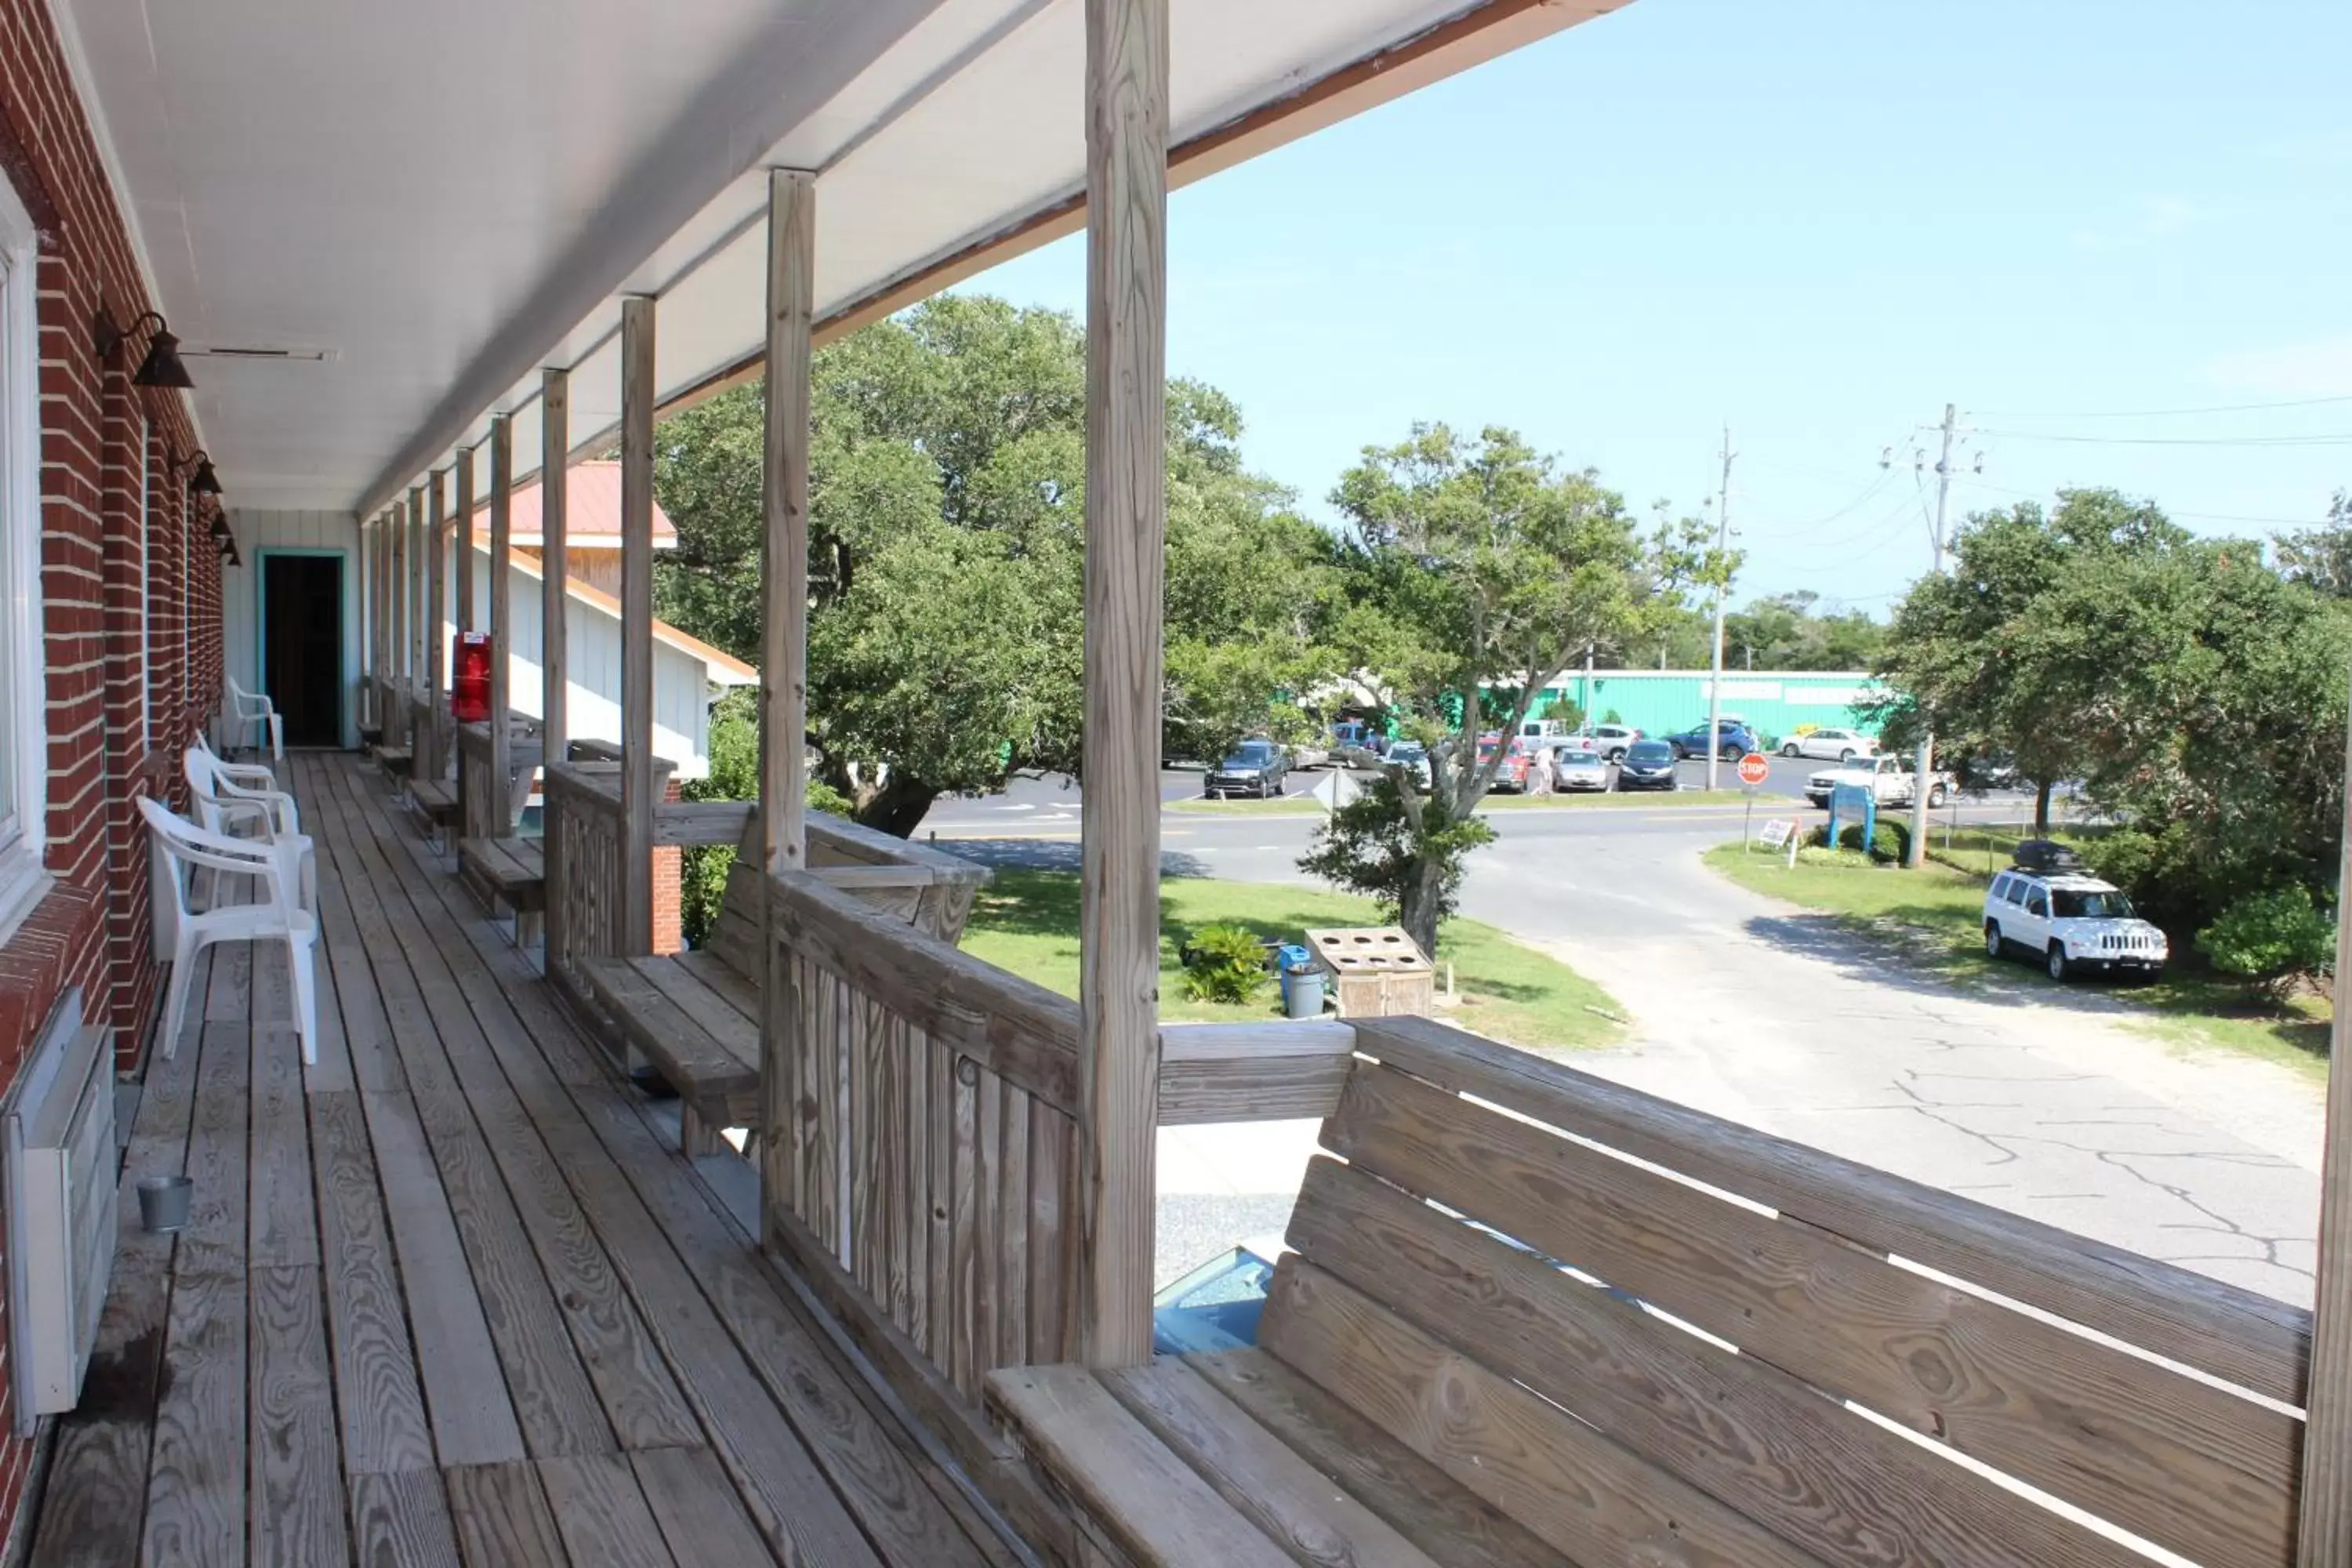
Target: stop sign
(1754, 769)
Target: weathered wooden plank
(1216, 1073)
(436, 616)
(963, 1362)
(1152, 1505)
(554, 506)
(738, 991)
(2238, 1335)
(698, 1511)
(217, 1145)
(1012, 1213)
(196, 1478)
(502, 618)
(602, 1513)
(1763, 1443)
(1273, 1488)
(375, 1065)
(637, 392)
(696, 1065)
(469, 619)
(939, 1331)
(1014, 1028)
(2324, 1532)
(734, 1034)
(1053, 1161)
(502, 1517)
(784, 511)
(2190, 1466)
(693, 822)
(297, 1508)
(402, 1520)
(465, 1391)
(382, 1409)
(282, 1210)
(1454, 1525)
(1562, 1479)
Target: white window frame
(23, 696)
(143, 521)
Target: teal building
(1665, 702)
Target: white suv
(2072, 922)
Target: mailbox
(469, 691)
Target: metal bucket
(163, 1202)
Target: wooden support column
(554, 481)
(501, 617)
(436, 624)
(419, 555)
(784, 489)
(783, 651)
(467, 620)
(395, 723)
(637, 624)
(2324, 1536)
(372, 610)
(1127, 521)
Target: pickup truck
(1890, 778)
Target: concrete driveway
(2033, 1098)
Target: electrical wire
(2330, 438)
(2168, 412)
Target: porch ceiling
(447, 196)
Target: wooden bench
(696, 1016)
(1496, 1344)
(510, 871)
(437, 802)
(394, 760)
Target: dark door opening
(303, 645)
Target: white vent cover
(61, 1180)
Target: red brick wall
(92, 929)
(669, 871)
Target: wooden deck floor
(447, 1297)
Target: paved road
(2030, 1097)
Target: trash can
(1302, 982)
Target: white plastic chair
(248, 707)
(252, 775)
(287, 912)
(227, 795)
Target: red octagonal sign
(1754, 769)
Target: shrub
(1224, 963)
(1612, 717)
(2277, 939)
(1887, 845)
(1564, 711)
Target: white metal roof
(441, 196)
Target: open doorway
(303, 645)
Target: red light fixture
(469, 690)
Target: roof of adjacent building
(592, 512)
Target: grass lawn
(1935, 917)
(1027, 922)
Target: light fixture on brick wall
(203, 482)
(161, 367)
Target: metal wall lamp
(203, 482)
(161, 367)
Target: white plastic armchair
(228, 797)
(250, 707)
(252, 775)
(287, 912)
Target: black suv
(1255, 768)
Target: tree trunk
(898, 806)
(1417, 904)
(2042, 810)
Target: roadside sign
(1337, 788)
(1755, 769)
(1776, 833)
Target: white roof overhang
(427, 203)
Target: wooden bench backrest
(1569, 1352)
(938, 908)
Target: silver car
(1575, 766)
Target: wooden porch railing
(477, 801)
(584, 843)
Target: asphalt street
(2031, 1097)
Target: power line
(2171, 412)
(2330, 438)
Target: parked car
(1981, 771)
(1890, 779)
(1255, 768)
(1649, 764)
(1357, 743)
(2073, 922)
(1609, 739)
(1414, 758)
(1541, 729)
(1576, 766)
(1837, 745)
(1511, 774)
(1215, 1307)
(1733, 740)
(1309, 755)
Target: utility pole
(1916, 855)
(1722, 591)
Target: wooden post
(783, 663)
(437, 621)
(554, 478)
(637, 624)
(395, 724)
(466, 622)
(1127, 521)
(783, 648)
(372, 556)
(2324, 1537)
(502, 618)
(417, 557)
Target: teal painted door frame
(345, 676)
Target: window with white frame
(24, 737)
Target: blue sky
(1818, 220)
